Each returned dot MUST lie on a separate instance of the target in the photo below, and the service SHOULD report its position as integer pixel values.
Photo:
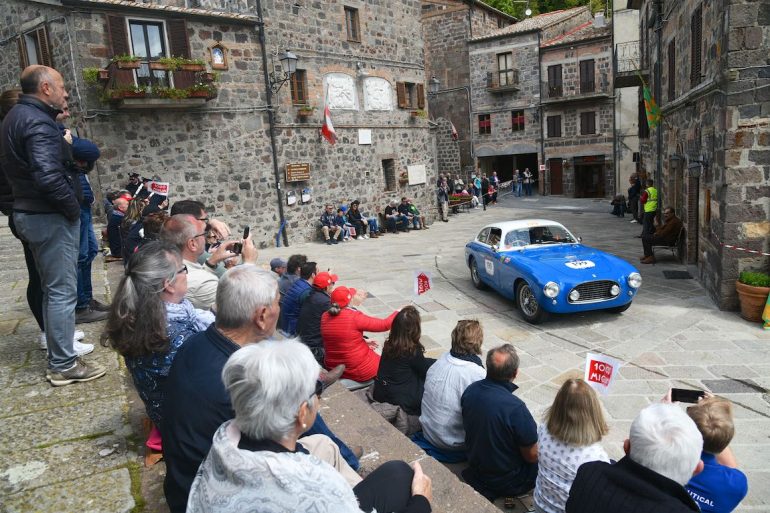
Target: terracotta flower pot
(127, 64)
(753, 300)
(158, 66)
(192, 67)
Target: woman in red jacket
(342, 331)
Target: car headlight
(551, 289)
(574, 295)
(614, 290)
(634, 280)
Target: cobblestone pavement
(75, 448)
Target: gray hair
(178, 229)
(136, 323)
(242, 290)
(267, 383)
(506, 370)
(665, 440)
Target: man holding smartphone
(188, 233)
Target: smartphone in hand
(683, 395)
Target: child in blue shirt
(720, 487)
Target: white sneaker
(83, 349)
(365, 236)
(79, 335)
(634, 221)
(360, 237)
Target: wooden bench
(675, 248)
(457, 201)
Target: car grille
(593, 291)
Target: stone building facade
(578, 112)
(447, 25)
(362, 58)
(714, 94)
(512, 102)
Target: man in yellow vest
(649, 201)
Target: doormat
(677, 275)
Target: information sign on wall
(298, 172)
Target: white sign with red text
(161, 188)
(601, 371)
(422, 282)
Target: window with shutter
(505, 69)
(517, 120)
(116, 26)
(554, 81)
(401, 95)
(587, 123)
(587, 78)
(420, 96)
(696, 46)
(485, 124)
(351, 24)
(554, 126)
(672, 70)
(148, 42)
(34, 48)
(299, 87)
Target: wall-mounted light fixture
(288, 67)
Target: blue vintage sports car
(544, 268)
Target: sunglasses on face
(319, 388)
(183, 270)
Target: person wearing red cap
(342, 331)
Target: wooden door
(557, 187)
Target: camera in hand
(237, 248)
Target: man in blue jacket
(46, 211)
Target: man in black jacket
(46, 211)
(662, 454)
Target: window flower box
(126, 61)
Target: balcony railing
(576, 91)
(628, 57)
(556, 91)
(503, 81)
(589, 86)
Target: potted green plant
(120, 93)
(753, 289)
(164, 64)
(305, 111)
(171, 93)
(210, 76)
(92, 76)
(207, 91)
(192, 65)
(126, 61)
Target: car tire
(527, 303)
(475, 276)
(620, 309)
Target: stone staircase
(353, 421)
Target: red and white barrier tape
(736, 248)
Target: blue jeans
(373, 226)
(528, 189)
(518, 189)
(88, 250)
(319, 427)
(54, 242)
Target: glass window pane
(31, 44)
(156, 43)
(138, 46)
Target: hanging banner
(600, 371)
(161, 188)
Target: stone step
(355, 422)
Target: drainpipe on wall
(271, 123)
(615, 101)
(542, 119)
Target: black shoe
(98, 306)
(335, 241)
(87, 315)
(328, 242)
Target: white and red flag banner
(161, 188)
(327, 130)
(601, 371)
(422, 282)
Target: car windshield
(547, 234)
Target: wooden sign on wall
(298, 172)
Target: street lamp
(433, 85)
(288, 67)
(527, 11)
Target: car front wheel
(530, 309)
(475, 277)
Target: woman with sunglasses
(150, 319)
(259, 461)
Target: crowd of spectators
(231, 360)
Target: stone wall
(721, 126)
(447, 150)
(220, 153)
(483, 60)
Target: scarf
(468, 358)
(186, 312)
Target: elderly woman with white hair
(258, 462)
